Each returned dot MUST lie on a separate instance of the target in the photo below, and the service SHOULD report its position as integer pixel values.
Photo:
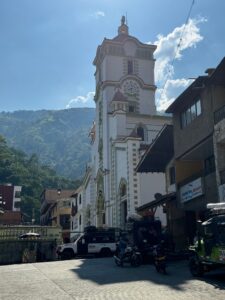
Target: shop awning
(159, 153)
(157, 202)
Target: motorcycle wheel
(136, 260)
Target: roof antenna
(126, 19)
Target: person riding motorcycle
(159, 255)
(122, 245)
(126, 253)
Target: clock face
(130, 87)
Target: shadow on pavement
(104, 271)
(216, 279)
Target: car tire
(67, 254)
(196, 267)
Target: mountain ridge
(58, 137)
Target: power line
(178, 45)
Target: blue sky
(47, 46)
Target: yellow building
(56, 209)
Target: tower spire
(123, 28)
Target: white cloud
(98, 14)
(82, 101)
(172, 88)
(167, 52)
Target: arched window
(80, 199)
(140, 133)
(123, 190)
(130, 67)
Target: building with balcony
(198, 155)
(56, 209)
(192, 155)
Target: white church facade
(126, 122)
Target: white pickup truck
(95, 243)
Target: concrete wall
(218, 97)
(197, 130)
(185, 169)
(22, 251)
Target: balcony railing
(219, 115)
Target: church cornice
(123, 140)
(119, 42)
(158, 117)
(118, 112)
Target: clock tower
(126, 121)
(127, 63)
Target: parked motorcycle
(159, 257)
(131, 256)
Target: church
(126, 122)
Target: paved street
(101, 279)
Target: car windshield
(208, 231)
(75, 237)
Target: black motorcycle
(159, 257)
(131, 256)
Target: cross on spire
(123, 28)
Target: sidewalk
(101, 279)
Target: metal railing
(14, 232)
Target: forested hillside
(59, 138)
(20, 169)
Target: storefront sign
(191, 190)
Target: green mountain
(20, 169)
(59, 138)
